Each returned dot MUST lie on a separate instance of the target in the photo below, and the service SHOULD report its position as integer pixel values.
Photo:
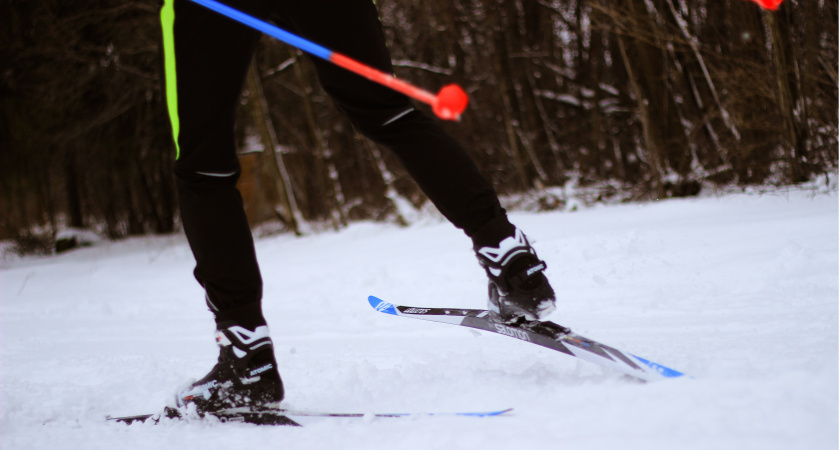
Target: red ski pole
(448, 103)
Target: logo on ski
(512, 332)
(417, 310)
(384, 306)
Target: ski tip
(382, 306)
(488, 413)
(665, 372)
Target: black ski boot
(245, 376)
(518, 288)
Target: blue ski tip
(486, 414)
(662, 370)
(382, 306)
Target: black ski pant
(207, 59)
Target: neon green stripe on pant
(167, 21)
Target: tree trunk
(324, 169)
(785, 99)
(649, 132)
(502, 76)
(75, 217)
(288, 211)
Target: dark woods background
(654, 98)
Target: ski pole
(448, 104)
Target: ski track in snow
(738, 290)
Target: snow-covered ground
(738, 290)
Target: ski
(544, 333)
(287, 417)
(261, 417)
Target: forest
(643, 99)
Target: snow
(738, 290)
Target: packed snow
(738, 290)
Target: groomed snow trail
(739, 290)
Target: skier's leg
(207, 58)
(436, 161)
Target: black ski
(285, 417)
(543, 333)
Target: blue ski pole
(447, 104)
